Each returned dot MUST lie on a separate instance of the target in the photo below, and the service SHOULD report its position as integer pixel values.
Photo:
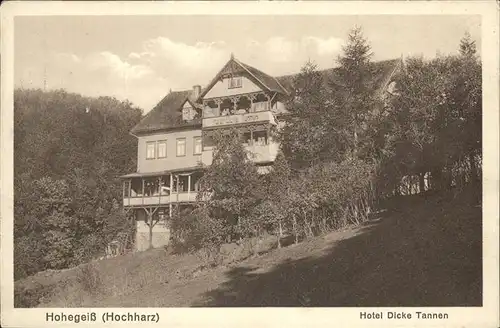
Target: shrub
(196, 229)
(31, 296)
(325, 196)
(89, 278)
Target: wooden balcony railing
(173, 198)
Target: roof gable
(270, 82)
(234, 66)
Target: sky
(141, 58)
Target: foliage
(313, 201)
(69, 151)
(89, 279)
(435, 118)
(307, 137)
(353, 89)
(345, 146)
(30, 296)
(231, 186)
(331, 113)
(193, 230)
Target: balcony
(239, 118)
(258, 153)
(174, 198)
(159, 190)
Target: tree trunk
(421, 182)
(280, 233)
(295, 230)
(150, 220)
(437, 179)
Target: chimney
(196, 91)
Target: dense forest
(345, 148)
(69, 152)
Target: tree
(230, 186)
(468, 46)
(436, 118)
(79, 144)
(352, 86)
(53, 216)
(469, 97)
(275, 209)
(303, 135)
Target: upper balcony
(240, 109)
(240, 117)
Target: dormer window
(235, 82)
(187, 113)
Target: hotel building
(174, 138)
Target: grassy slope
(422, 251)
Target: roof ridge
(272, 76)
(246, 68)
(166, 116)
(333, 68)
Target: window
(187, 114)
(162, 149)
(260, 138)
(247, 139)
(150, 150)
(208, 142)
(261, 106)
(197, 145)
(181, 147)
(234, 82)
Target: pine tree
(467, 46)
(352, 86)
(303, 136)
(469, 92)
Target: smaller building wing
(381, 74)
(167, 114)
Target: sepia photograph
(248, 160)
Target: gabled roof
(270, 82)
(382, 72)
(265, 81)
(167, 114)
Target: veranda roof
(159, 173)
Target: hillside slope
(420, 251)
